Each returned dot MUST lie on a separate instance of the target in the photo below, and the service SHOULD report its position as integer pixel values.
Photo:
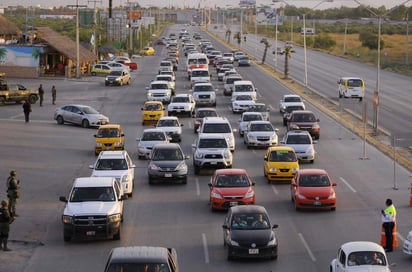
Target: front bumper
(247, 252)
(89, 232)
(226, 203)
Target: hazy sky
(203, 3)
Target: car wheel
(85, 123)
(32, 99)
(66, 238)
(60, 120)
(184, 180)
(106, 84)
(229, 257)
(274, 257)
(197, 170)
(312, 161)
(340, 95)
(333, 209)
(150, 180)
(117, 235)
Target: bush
(324, 41)
(370, 40)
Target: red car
(230, 187)
(312, 188)
(132, 65)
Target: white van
(351, 87)
(196, 61)
(241, 87)
(307, 31)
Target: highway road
(48, 157)
(323, 71)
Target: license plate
(233, 203)
(167, 175)
(90, 233)
(253, 251)
(213, 163)
(152, 118)
(317, 203)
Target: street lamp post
(77, 6)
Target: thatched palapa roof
(64, 45)
(7, 27)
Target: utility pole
(77, 6)
(95, 24)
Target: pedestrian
(13, 193)
(5, 221)
(41, 94)
(53, 91)
(27, 110)
(388, 223)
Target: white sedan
(241, 103)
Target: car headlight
(67, 219)
(154, 167)
(216, 195)
(300, 196)
(149, 94)
(227, 154)
(235, 105)
(167, 94)
(113, 218)
(125, 179)
(294, 126)
(250, 194)
(251, 137)
(181, 166)
(273, 169)
(315, 126)
(234, 243)
(117, 144)
(99, 144)
(230, 140)
(272, 241)
(118, 78)
(310, 150)
(107, 78)
(294, 170)
(198, 155)
(332, 195)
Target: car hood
(367, 268)
(96, 116)
(262, 133)
(313, 192)
(182, 104)
(148, 144)
(91, 208)
(231, 191)
(166, 164)
(247, 237)
(109, 173)
(300, 147)
(171, 129)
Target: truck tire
(32, 99)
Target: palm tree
(287, 57)
(267, 45)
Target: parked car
(302, 143)
(313, 189)
(118, 77)
(150, 137)
(109, 137)
(142, 258)
(304, 120)
(82, 115)
(360, 256)
(280, 163)
(244, 226)
(167, 163)
(117, 164)
(231, 187)
(260, 134)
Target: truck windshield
(81, 194)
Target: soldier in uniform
(41, 94)
(13, 193)
(5, 221)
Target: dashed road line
(205, 251)
(347, 184)
(307, 247)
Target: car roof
(260, 122)
(182, 95)
(153, 102)
(361, 246)
(248, 209)
(112, 154)
(313, 171)
(206, 109)
(110, 126)
(139, 254)
(230, 171)
(302, 112)
(211, 136)
(281, 148)
(249, 112)
(215, 119)
(159, 82)
(166, 146)
(93, 182)
(169, 118)
(240, 82)
(146, 130)
(296, 132)
(201, 83)
(346, 78)
(291, 95)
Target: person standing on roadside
(27, 110)
(41, 94)
(5, 221)
(13, 193)
(53, 91)
(388, 223)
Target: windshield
(80, 194)
(261, 127)
(115, 73)
(212, 143)
(231, 80)
(354, 83)
(167, 123)
(138, 267)
(159, 86)
(167, 154)
(292, 99)
(236, 180)
(304, 117)
(164, 78)
(108, 133)
(314, 181)
(250, 221)
(244, 88)
(152, 107)
(293, 108)
(252, 117)
(282, 156)
(180, 99)
(243, 97)
(203, 88)
(217, 128)
(204, 113)
(298, 139)
(202, 73)
(153, 136)
(111, 164)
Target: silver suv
(211, 151)
(301, 142)
(204, 94)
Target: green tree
(288, 55)
(267, 45)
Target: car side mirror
(334, 184)
(209, 184)
(95, 136)
(275, 226)
(63, 199)
(91, 166)
(123, 197)
(318, 120)
(265, 158)
(226, 227)
(141, 108)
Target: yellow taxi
(100, 69)
(280, 163)
(152, 111)
(109, 137)
(147, 51)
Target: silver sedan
(85, 116)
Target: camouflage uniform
(13, 193)
(5, 221)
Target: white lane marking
(274, 190)
(206, 252)
(307, 247)
(347, 184)
(197, 187)
(17, 116)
